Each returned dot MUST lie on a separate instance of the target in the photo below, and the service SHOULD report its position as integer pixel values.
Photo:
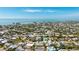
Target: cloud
(30, 10)
(37, 10)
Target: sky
(39, 12)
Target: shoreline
(28, 22)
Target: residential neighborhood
(47, 36)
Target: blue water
(25, 21)
(11, 21)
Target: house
(13, 38)
(49, 48)
(2, 32)
(28, 45)
(2, 41)
(38, 38)
(19, 48)
(49, 32)
(57, 34)
(12, 46)
(7, 44)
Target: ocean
(24, 21)
(27, 21)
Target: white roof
(48, 32)
(51, 49)
(49, 42)
(20, 43)
(4, 41)
(2, 32)
(62, 42)
(1, 39)
(14, 38)
(30, 44)
(13, 46)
